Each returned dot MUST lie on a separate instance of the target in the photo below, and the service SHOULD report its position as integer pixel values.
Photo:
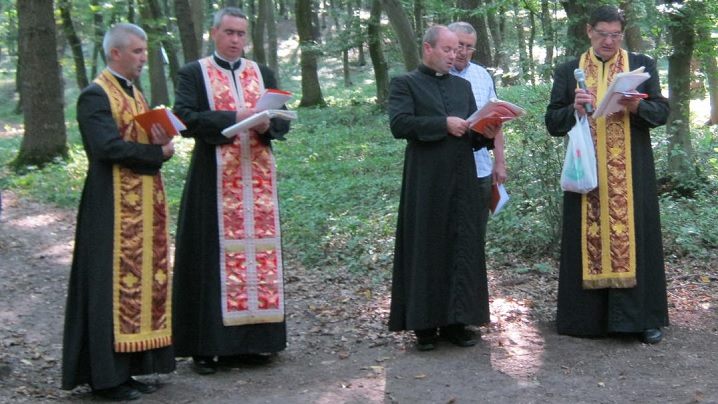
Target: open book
(494, 112)
(622, 84)
(257, 118)
(164, 117)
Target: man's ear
(114, 54)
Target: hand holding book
(495, 112)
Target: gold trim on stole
(607, 218)
(140, 224)
(251, 267)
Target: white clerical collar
(231, 62)
(129, 82)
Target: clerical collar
(601, 59)
(227, 64)
(128, 83)
(428, 70)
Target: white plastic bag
(579, 172)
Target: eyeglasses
(465, 47)
(606, 35)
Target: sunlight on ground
(517, 346)
(35, 221)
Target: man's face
(130, 60)
(230, 37)
(467, 42)
(441, 56)
(605, 38)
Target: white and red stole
(607, 222)
(251, 270)
(141, 272)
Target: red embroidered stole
(141, 272)
(608, 229)
(248, 210)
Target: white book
(623, 82)
(256, 119)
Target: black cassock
(197, 316)
(88, 350)
(438, 278)
(597, 312)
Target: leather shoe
(118, 393)
(652, 336)
(143, 388)
(426, 343)
(203, 365)
(458, 335)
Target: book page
(256, 119)
(499, 197)
(623, 82)
(272, 99)
(494, 111)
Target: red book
(164, 117)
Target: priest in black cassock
(117, 320)
(611, 276)
(438, 283)
(228, 297)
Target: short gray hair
(462, 27)
(118, 36)
(227, 11)
(432, 34)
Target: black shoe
(425, 339)
(235, 361)
(143, 388)
(458, 335)
(652, 336)
(119, 393)
(203, 365)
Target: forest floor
(341, 352)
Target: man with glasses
(611, 275)
(437, 282)
(482, 85)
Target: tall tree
(549, 39)
(272, 50)
(376, 53)
(632, 37)
(75, 44)
(404, 32)
(577, 12)
(97, 34)
(158, 81)
(681, 29)
(41, 92)
(308, 42)
(189, 24)
(260, 22)
(468, 12)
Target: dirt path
(340, 351)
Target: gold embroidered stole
(141, 287)
(249, 234)
(607, 220)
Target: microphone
(581, 79)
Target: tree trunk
(272, 51)
(405, 34)
(311, 90)
(41, 89)
(632, 37)
(258, 33)
(97, 31)
(190, 35)
(680, 151)
(419, 25)
(576, 39)
(482, 54)
(549, 38)
(376, 53)
(75, 43)
(710, 67)
(495, 29)
(159, 93)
